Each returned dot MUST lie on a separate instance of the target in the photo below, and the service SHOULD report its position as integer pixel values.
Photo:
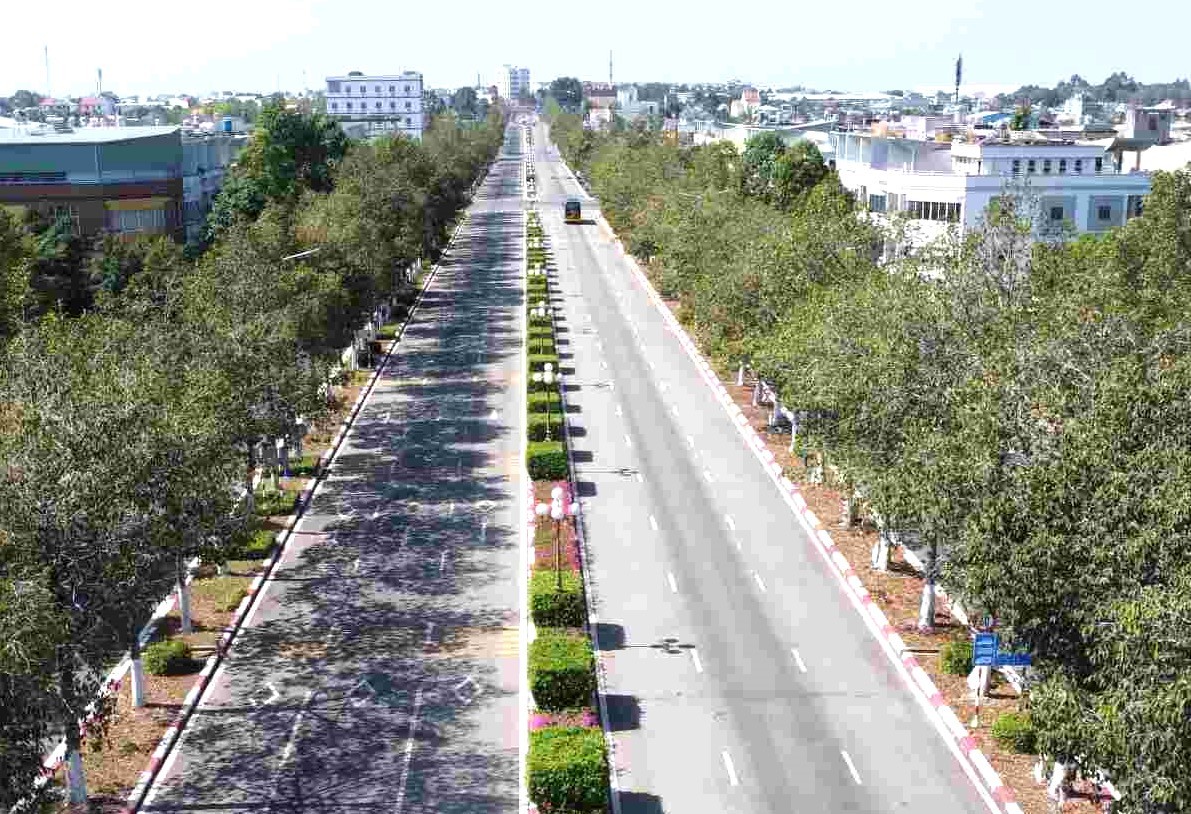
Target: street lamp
(541, 313)
(547, 377)
(558, 513)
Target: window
(349, 105)
(1062, 165)
(1099, 165)
(332, 87)
(876, 203)
(1046, 166)
(392, 88)
(407, 105)
(1153, 122)
(935, 210)
(347, 88)
(376, 88)
(136, 220)
(1104, 212)
(1134, 206)
(407, 88)
(392, 105)
(334, 105)
(1079, 166)
(1017, 166)
(1031, 166)
(1056, 214)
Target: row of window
(333, 87)
(364, 106)
(934, 210)
(1048, 165)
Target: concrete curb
(147, 777)
(919, 680)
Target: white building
(631, 106)
(1068, 184)
(373, 105)
(512, 82)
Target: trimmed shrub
(258, 546)
(274, 502)
(546, 460)
(537, 401)
(956, 658)
(538, 361)
(1015, 730)
(551, 607)
(535, 429)
(170, 657)
(561, 670)
(541, 346)
(567, 769)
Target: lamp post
(547, 377)
(540, 312)
(559, 513)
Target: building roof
(82, 135)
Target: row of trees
(131, 419)
(1118, 87)
(1022, 405)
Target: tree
(797, 171)
(16, 258)
(25, 98)
(568, 92)
(760, 158)
(463, 101)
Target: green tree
(568, 92)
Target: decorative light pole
(547, 377)
(540, 312)
(559, 513)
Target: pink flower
(538, 720)
(589, 718)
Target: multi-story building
(512, 82)
(123, 180)
(375, 105)
(1066, 184)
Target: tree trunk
(137, 672)
(740, 375)
(249, 491)
(1056, 788)
(880, 558)
(76, 779)
(184, 598)
(926, 610)
(845, 512)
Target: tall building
(512, 83)
(374, 105)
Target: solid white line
(673, 584)
(409, 751)
(733, 780)
(695, 658)
(851, 767)
(730, 522)
(707, 476)
(429, 633)
(618, 410)
(653, 523)
(451, 509)
(674, 409)
(690, 439)
(628, 441)
(603, 364)
(442, 562)
(760, 584)
(640, 478)
(798, 659)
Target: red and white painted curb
(137, 796)
(920, 681)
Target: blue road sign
(1013, 660)
(984, 649)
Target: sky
(858, 45)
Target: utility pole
(959, 73)
(609, 66)
(49, 93)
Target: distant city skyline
(271, 45)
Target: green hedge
(567, 769)
(551, 607)
(258, 546)
(956, 658)
(167, 658)
(535, 429)
(538, 400)
(546, 460)
(539, 345)
(537, 361)
(561, 670)
(1015, 730)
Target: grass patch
(225, 593)
(546, 460)
(551, 607)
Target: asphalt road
(771, 694)
(380, 669)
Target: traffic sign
(1013, 660)
(984, 649)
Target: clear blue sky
(156, 47)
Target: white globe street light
(559, 513)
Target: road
(381, 667)
(772, 695)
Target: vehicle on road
(573, 211)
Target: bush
(538, 400)
(541, 346)
(546, 460)
(304, 467)
(258, 546)
(274, 502)
(561, 670)
(169, 657)
(538, 361)
(551, 607)
(535, 429)
(388, 331)
(956, 658)
(567, 769)
(1015, 730)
